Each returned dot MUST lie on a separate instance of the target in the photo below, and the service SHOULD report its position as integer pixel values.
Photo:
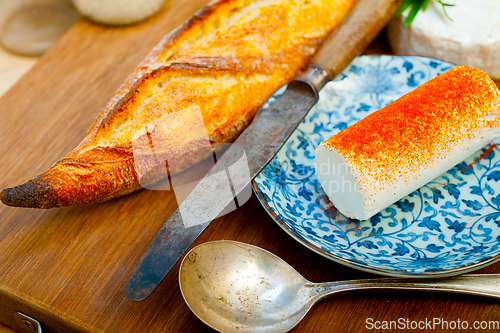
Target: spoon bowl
(237, 287)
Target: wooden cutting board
(68, 267)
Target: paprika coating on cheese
(420, 127)
(401, 147)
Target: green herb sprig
(416, 6)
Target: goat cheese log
(226, 60)
(401, 147)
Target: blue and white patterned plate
(450, 226)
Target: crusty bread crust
(226, 60)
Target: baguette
(226, 60)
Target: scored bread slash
(228, 59)
(401, 147)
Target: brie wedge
(470, 37)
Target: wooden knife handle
(363, 23)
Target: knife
(257, 145)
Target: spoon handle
(475, 284)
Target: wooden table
(68, 267)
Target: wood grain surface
(68, 267)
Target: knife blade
(257, 145)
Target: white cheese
(401, 147)
(354, 198)
(470, 38)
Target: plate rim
(364, 267)
(357, 264)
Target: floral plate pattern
(449, 226)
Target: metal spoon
(237, 287)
